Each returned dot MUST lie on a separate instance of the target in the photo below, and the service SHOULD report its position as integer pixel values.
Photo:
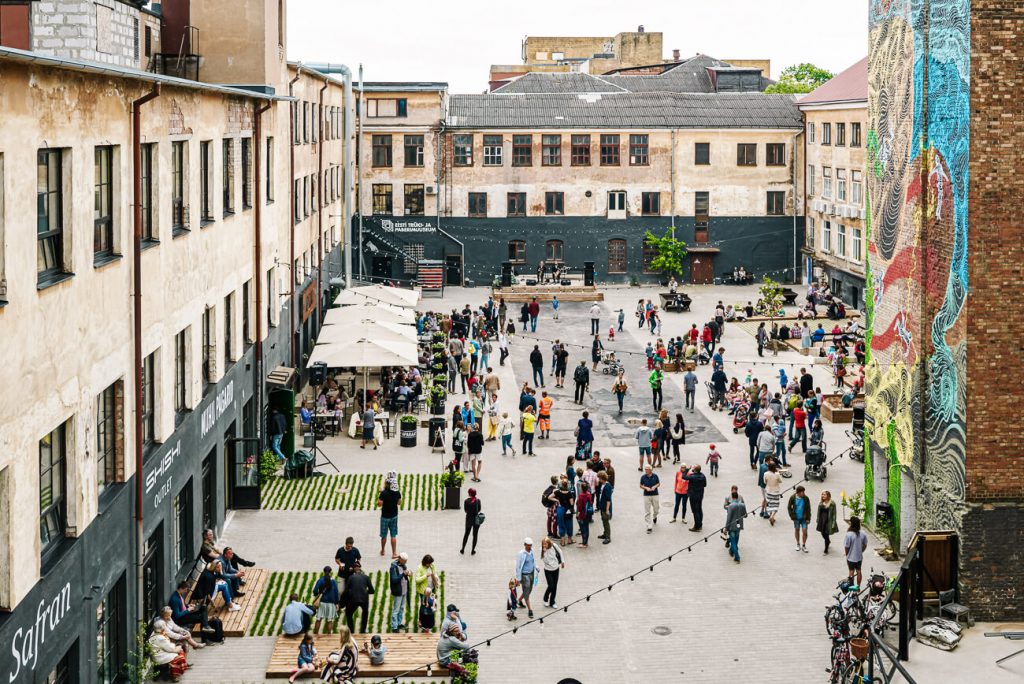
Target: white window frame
(841, 185)
(616, 204)
(826, 182)
(840, 240)
(857, 189)
(810, 180)
(493, 154)
(810, 131)
(826, 236)
(856, 244)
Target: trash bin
(437, 425)
(407, 431)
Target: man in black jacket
(537, 362)
(696, 496)
(753, 429)
(357, 596)
(582, 378)
(806, 382)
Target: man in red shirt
(707, 338)
(534, 309)
(694, 334)
(800, 425)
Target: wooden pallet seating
(406, 652)
(236, 623)
(545, 293)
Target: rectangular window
(701, 211)
(379, 108)
(810, 180)
(522, 150)
(49, 214)
(270, 170)
(413, 151)
(775, 154)
(516, 204)
(229, 329)
(650, 203)
(639, 149)
(179, 186)
(554, 203)
(855, 134)
(841, 240)
(826, 182)
(517, 251)
(52, 487)
(149, 399)
(206, 180)
(296, 125)
(702, 154)
(841, 185)
(776, 203)
(610, 150)
(810, 131)
(826, 236)
(305, 196)
(246, 304)
(857, 189)
(271, 298)
(382, 198)
(111, 654)
(109, 431)
(103, 204)
(209, 364)
(478, 204)
(617, 203)
(840, 134)
(402, 107)
(297, 199)
(746, 154)
(492, 150)
(551, 150)
(228, 175)
(148, 224)
(463, 149)
(181, 530)
(180, 374)
(314, 121)
(305, 122)
(381, 151)
(413, 199)
(580, 150)
(810, 232)
(826, 134)
(856, 244)
(246, 173)
(648, 256)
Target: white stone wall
(106, 31)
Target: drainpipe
(291, 220)
(359, 166)
(795, 271)
(137, 330)
(257, 378)
(672, 177)
(803, 116)
(320, 197)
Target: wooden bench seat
(405, 652)
(236, 623)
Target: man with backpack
(582, 378)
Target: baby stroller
(614, 367)
(739, 416)
(713, 400)
(815, 462)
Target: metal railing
(880, 654)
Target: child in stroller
(740, 412)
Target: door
(241, 462)
(617, 256)
(152, 561)
(453, 270)
(381, 269)
(702, 269)
(209, 482)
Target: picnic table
(675, 302)
(789, 295)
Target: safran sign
(392, 226)
(27, 641)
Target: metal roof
(401, 86)
(558, 82)
(624, 110)
(26, 57)
(849, 86)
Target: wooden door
(617, 256)
(702, 269)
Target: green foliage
(771, 296)
(800, 78)
(670, 252)
(408, 421)
(139, 668)
(855, 502)
(349, 492)
(437, 394)
(470, 676)
(437, 346)
(267, 467)
(452, 479)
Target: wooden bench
(668, 302)
(236, 623)
(406, 652)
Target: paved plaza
(699, 618)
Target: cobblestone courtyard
(700, 618)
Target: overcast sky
(457, 40)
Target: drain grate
(661, 630)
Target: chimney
(675, 55)
(640, 28)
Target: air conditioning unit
(430, 190)
(832, 210)
(818, 272)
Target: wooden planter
(832, 409)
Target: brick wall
(992, 561)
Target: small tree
(800, 78)
(670, 252)
(771, 297)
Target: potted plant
(407, 431)
(452, 481)
(435, 399)
(439, 337)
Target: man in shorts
(800, 513)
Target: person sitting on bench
(178, 635)
(212, 582)
(231, 571)
(187, 614)
(210, 552)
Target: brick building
(944, 269)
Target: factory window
(464, 149)
(701, 212)
(650, 203)
(522, 150)
(639, 154)
(610, 150)
(413, 151)
(492, 150)
(702, 154)
(49, 214)
(810, 180)
(649, 255)
(826, 182)
(841, 185)
(810, 131)
(148, 224)
(205, 180)
(228, 175)
(381, 151)
(553, 250)
(554, 203)
(840, 134)
(149, 398)
(617, 256)
(109, 431)
(478, 204)
(551, 150)
(855, 134)
(382, 198)
(52, 487)
(857, 189)
(103, 205)
(413, 199)
(180, 372)
(581, 150)
(826, 134)
(776, 203)
(746, 154)
(775, 154)
(517, 251)
(246, 173)
(516, 205)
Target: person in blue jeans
(779, 430)
(398, 576)
(735, 513)
(278, 429)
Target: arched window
(517, 251)
(553, 250)
(617, 256)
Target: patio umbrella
(378, 294)
(346, 315)
(369, 330)
(364, 353)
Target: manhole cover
(661, 630)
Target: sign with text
(407, 226)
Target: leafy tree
(771, 297)
(800, 78)
(670, 252)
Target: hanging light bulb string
(605, 587)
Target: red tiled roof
(848, 86)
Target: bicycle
(878, 588)
(847, 610)
(855, 672)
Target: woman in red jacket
(585, 512)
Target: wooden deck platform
(545, 293)
(405, 652)
(236, 624)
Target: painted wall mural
(918, 137)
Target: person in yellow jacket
(544, 415)
(529, 423)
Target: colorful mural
(918, 136)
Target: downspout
(137, 332)
(672, 178)
(320, 197)
(803, 116)
(359, 169)
(257, 377)
(291, 219)
(795, 271)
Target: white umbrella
(364, 353)
(347, 315)
(369, 330)
(377, 294)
